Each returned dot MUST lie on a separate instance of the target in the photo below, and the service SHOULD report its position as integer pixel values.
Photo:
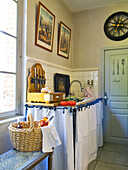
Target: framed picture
(45, 28)
(64, 40)
(62, 83)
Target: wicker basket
(28, 138)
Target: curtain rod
(79, 107)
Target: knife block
(36, 78)
(36, 81)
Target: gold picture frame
(64, 41)
(45, 28)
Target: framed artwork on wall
(45, 28)
(64, 40)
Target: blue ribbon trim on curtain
(79, 107)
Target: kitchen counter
(43, 104)
(85, 101)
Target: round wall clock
(116, 26)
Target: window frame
(13, 113)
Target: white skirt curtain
(88, 136)
(63, 156)
(86, 141)
(99, 114)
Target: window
(8, 57)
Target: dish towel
(50, 138)
(88, 92)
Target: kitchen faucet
(73, 94)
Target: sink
(81, 100)
(86, 100)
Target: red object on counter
(63, 103)
(72, 103)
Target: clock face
(116, 26)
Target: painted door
(116, 89)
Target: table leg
(50, 162)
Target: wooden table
(14, 159)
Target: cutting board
(44, 104)
(45, 97)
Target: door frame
(102, 68)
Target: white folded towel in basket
(50, 138)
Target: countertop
(86, 100)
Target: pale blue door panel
(119, 126)
(116, 88)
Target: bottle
(43, 122)
(19, 126)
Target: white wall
(89, 37)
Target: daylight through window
(8, 55)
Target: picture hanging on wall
(45, 28)
(64, 40)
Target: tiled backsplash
(83, 76)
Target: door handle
(105, 98)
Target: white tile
(95, 88)
(56, 70)
(76, 94)
(69, 73)
(96, 78)
(53, 70)
(73, 78)
(72, 89)
(91, 78)
(48, 69)
(81, 94)
(76, 78)
(76, 74)
(80, 74)
(81, 79)
(73, 74)
(96, 94)
(95, 73)
(49, 76)
(91, 73)
(86, 74)
(95, 84)
(85, 79)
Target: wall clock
(116, 26)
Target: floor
(111, 157)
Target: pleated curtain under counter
(80, 148)
(89, 135)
